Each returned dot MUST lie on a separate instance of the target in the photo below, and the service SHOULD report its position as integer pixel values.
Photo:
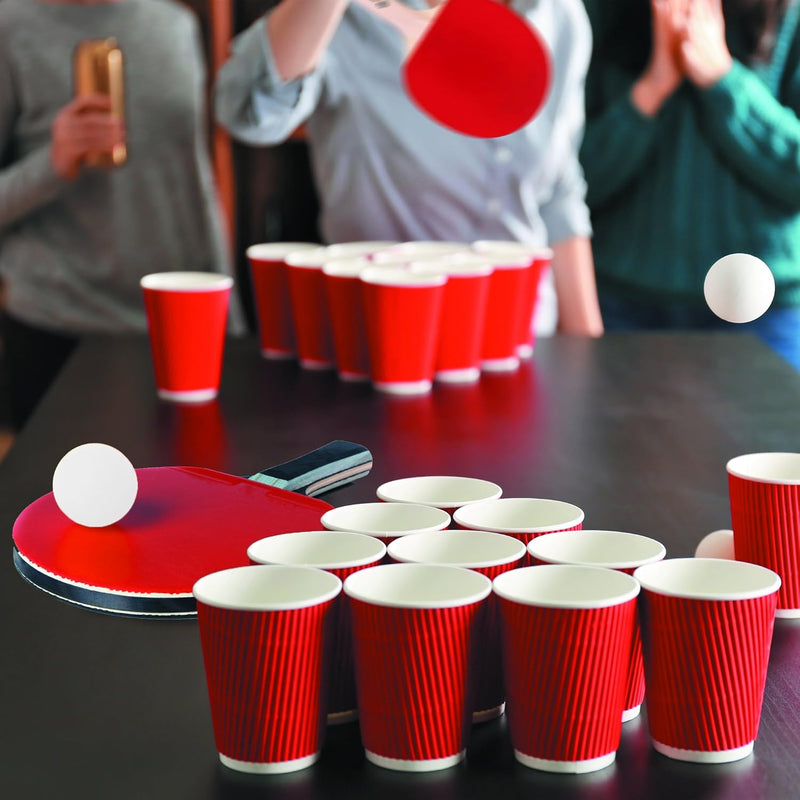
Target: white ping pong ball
(95, 485)
(739, 287)
(717, 544)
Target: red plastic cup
(540, 258)
(263, 631)
(567, 633)
(447, 492)
(403, 314)
(385, 521)
(414, 633)
(491, 554)
(271, 296)
(612, 550)
(346, 307)
(524, 518)
(341, 553)
(707, 628)
(466, 295)
(310, 312)
(186, 316)
(504, 310)
(764, 492)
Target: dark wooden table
(635, 429)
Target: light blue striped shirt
(385, 170)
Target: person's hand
(704, 51)
(82, 129)
(663, 73)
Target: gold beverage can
(98, 69)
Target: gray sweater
(72, 252)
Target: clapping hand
(704, 52)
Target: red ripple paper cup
(414, 633)
(341, 553)
(567, 634)
(271, 296)
(186, 317)
(612, 550)
(524, 518)
(264, 634)
(466, 294)
(346, 306)
(310, 311)
(707, 629)
(403, 315)
(764, 492)
(490, 554)
(540, 258)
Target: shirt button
(494, 206)
(503, 155)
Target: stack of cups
(186, 319)
(271, 295)
(263, 631)
(415, 630)
(491, 554)
(342, 553)
(612, 550)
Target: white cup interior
(511, 248)
(443, 491)
(708, 579)
(186, 281)
(308, 259)
(386, 519)
(267, 588)
(463, 548)
(277, 251)
(420, 250)
(353, 249)
(519, 515)
(566, 586)
(418, 586)
(346, 267)
(400, 276)
(610, 549)
(323, 549)
(767, 467)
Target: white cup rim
(354, 549)
(277, 251)
(705, 578)
(442, 586)
(511, 247)
(507, 549)
(308, 259)
(186, 281)
(345, 267)
(377, 515)
(545, 548)
(400, 277)
(568, 586)
(473, 515)
(401, 490)
(259, 588)
(767, 467)
(359, 247)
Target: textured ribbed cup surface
(265, 672)
(413, 677)
(705, 666)
(766, 530)
(565, 678)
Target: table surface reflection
(635, 429)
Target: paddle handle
(412, 23)
(321, 470)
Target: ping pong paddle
(475, 66)
(186, 522)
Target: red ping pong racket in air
(478, 68)
(186, 522)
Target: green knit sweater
(716, 171)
